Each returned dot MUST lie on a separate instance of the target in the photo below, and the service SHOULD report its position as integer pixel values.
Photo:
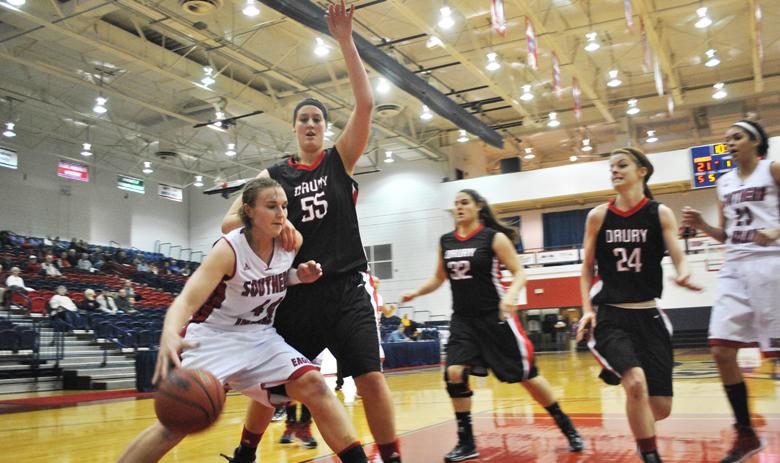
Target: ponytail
(486, 216)
(641, 160)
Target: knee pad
(460, 389)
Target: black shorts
(486, 342)
(628, 338)
(335, 313)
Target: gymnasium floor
(508, 426)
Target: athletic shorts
(629, 338)
(336, 313)
(249, 361)
(485, 342)
(746, 312)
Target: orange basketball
(189, 401)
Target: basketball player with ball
(227, 311)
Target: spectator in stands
(106, 302)
(128, 287)
(398, 335)
(174, 268)
(5, 239)
(62, 261)
(410, 328)
(50, 268)
(142, 265)
(154, 269)
(61, 302)
(121, 258)
(98, 261)
(186, 271)
(14, 284)
(33, 266)
(89, 304)
(124, 302)
(72, 257)
(84, 262)
(166, 268)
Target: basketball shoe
(462, 452)
(289, 433)
(745, 445)
(303, 433)
(239, 457)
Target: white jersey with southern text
(749, 205)
(250, 298)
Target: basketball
(189, 401)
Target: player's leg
(303, 430)
(151, 445)
(456, 378)
(640, 415)
(290, 424)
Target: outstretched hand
(340, 21)
(309, 272)
(171, 345)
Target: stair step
(113, 384)
(32, 386)
(28, 380)
(111, 376)
(94, 372)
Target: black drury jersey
(321, 205)
(629, 249)
(473, 270)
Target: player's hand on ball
(766, 237)
(171, 345)
(588, 320)
(309, 272)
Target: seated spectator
(154, 270)
(397, 335)
(61, 301)
(128, 287)
(124, 302)
(89, 303)
(185, 271)
(142, 266)
(121, 258)
(106, 302)
(72, 257)
(98, 260)
(14, 284)
(62, 261)
(33, 266)
(174, 268)
(84, 262)
(49, 268)
(410, 328)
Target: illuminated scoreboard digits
(709, 162)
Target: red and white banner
(73, 171)
(556, 75)
(497, 16)
(629, 16)
(576, 92)
(533, 47)
(647, 59)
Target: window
(564, 229)
(380, 260)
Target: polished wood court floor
(508, 425)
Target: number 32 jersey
(321, 205)
(629, 249)
(473, 270)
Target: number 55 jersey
(629, 249)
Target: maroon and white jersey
(250, 298)
(749, 205)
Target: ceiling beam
(664, 59)
(549, 40)
(422, 25)
(758, 79)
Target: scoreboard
(709, 162)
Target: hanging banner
(659, 78)
(73, 171)
(533, 48)
(576, 93)
(8, 158)
(556, 77)
(646, 57)
(169, 192)
(497, 16)
(670, 104)
(629, 16)
(759, 45)
(136, 185)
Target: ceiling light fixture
(553, 122)
(573, 158)
(389, 157)
(198, 181)
(320, 49)
(492, 64)
(231, 150)
(382, 86)
(651, 138)
(86, 149)
(433, 41)
(426, 114)
(586, 146)
(207, 79)
(592, 44)
(720, 91)
(100, 105)
(251, 9)
(712, 58)
(704, 20)
(527, 95)
(632, 107)
(613, 79)
(463, 137)
(16, 2)
(9, 131)
(529, 153)
(147, 168)
(445, 20)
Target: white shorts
(248, 361)
(746, 312)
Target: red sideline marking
(59, 401)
